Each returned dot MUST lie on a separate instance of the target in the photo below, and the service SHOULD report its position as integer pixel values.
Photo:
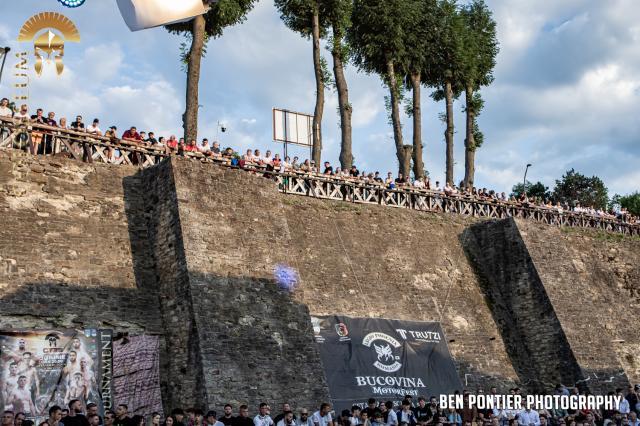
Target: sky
(566, 90)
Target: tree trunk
(346, 155)
(190, 117)
(448, 93)
(469, 141)
(317, 67)
(404, 164)
(418, 164)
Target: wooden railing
(92, 148)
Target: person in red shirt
(132, 134)
(191, 146)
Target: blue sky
(566, 92)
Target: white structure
(142, 14)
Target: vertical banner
(42, 368)
(383, 359)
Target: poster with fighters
(42, 368)
(383, 359)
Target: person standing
(75, 416)
(122, 416)
(227, 418)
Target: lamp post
(524, 181)
(3, 51)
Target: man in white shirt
(263, 419)
(528, 417)
(5, 111)
(94, 128)
(633, 419)
(23, 114)
(623, 406)
(287, 420)
(322, 417)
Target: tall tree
(199, 30)
(420, 69)
(480, 48)
(305, 18)
(377, 39)
(448, 63)
(576, 188)
(338, 14)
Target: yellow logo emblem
(49, 31)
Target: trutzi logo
(386, 361)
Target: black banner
(383, 359)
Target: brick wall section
(181, 381)
(593, 282)
(256, 343)
(520, 305)
(408, 265)
(65, 251)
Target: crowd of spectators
(274, 163)
(422, 412)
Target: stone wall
(65, 247)
(188, 250)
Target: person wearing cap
(212, 419)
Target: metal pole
(5, 51)
(524, 181)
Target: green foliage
(448, 59)
(480, 44)
(533, 190)
(379, 32)
(630, 202)
(327, 78)
(576, 188)
(185, 50)
(222, 14)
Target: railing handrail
(313, 184)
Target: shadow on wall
(226, 337)
(535, 341)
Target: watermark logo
(49, 32)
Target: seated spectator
(172, 144)
(287, 163)
(248, 156)
(295, 164)
(215, 150)
(277, 162)
(306, 166)
(328, 170)
(151, 140)
(257, 157)
(161, 142)
(377, 178)
(204, 147)
(5, 110)
(191, 146)
(268, 159)
(132, 135)
(23, 113)
(94, 128)
(78, 125)
(389, 182)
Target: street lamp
(3, 52)
(524, 182)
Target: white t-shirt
(392, 419)
(321, 421)
(91, 129)
(262, 420)
(5, 112)
(20, 115)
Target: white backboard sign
(292, 127)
